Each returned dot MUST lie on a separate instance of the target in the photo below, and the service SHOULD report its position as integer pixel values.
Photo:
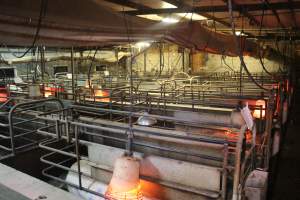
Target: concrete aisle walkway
(286, 185)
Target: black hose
(224, 61)
(259, 53)
(90, 68)
(243, 64)
(42, 14)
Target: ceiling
(280, 21)
(86, 23)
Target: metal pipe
(225, 172)
(172, 150)
(138, 114)
(156, 134)
(42, 51)
(78, 156)
(237, 168)
(72, 72)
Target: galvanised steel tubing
(4, 125)
(28, 108)
(135, 143)
(173, 107)
(26, 133)
(267, 134)
(37, 122)
(215, 142)
(137, 114)
(78, 157)
(251, 153)
(25, 121)
(69, 169)
(217, 97)
(95, 114)
(193, 101)
(4, 104)
(12, 111)
(54, 135)
(53, 111)
(59, 165)
(45, 173)
(237, 168)
(156, 147)
(47, 142)
(202, 125)
(225, 172)
(155, 116)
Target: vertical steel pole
(72, 71)
(78, 156)
(145, 62)
(42, 50)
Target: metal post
(161, 62)
(145, 62)
(237, 168)
(183, 61)
(241, 77)
(225, 172)
(42, 50)
(72, 71)
(129, 138)
(78, 156)
(57, 130)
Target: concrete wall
(173, 60)
(198, 63)
(215, 63)
(82, 61)
(159, 59)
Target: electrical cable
(90, 68)
(42, 14)
(278, 50)
(259, 52)
(223, 57)
(130, 135)
(243, 64)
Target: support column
(72, 71)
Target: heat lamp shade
(125, 182)
(126, 175)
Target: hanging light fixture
(170, 20)
(125, 182)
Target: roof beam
(245, 13)
(271, 6)
(181, 4)
(128, 3)
(204, 9)
(291, 4)
(275, 37)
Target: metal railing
(72, 134)
(19, 125)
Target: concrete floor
(9, 194)
(15, 185)
(286, 179)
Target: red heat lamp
(4, 94)
(50, 91)
(125, 182)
